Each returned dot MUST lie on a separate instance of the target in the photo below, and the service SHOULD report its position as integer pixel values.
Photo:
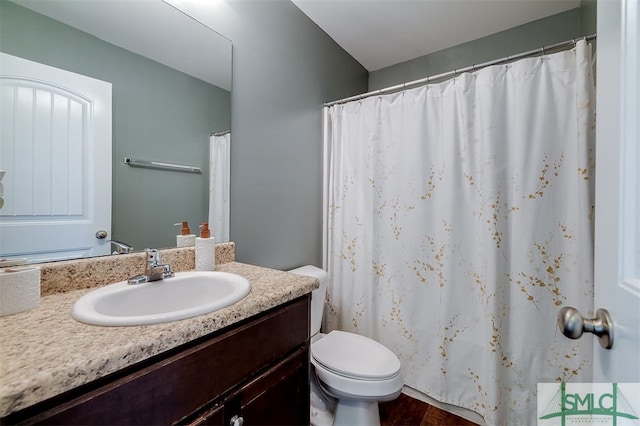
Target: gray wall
(553, 29)
(588, 17)
(284, 69)
(158, 114)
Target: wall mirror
(170, 79)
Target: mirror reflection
(170, 79)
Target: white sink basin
(186, 295)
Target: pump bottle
(186, 238)
(205, 250)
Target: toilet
(355, 370)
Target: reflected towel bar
(161, 165)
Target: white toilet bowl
(359, 372)
(354, 369)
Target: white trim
(630, 155)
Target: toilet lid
(355, 356)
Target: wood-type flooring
(407, 411)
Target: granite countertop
(45, 352)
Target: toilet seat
(354, 356)
(355, 367)
(343, 387)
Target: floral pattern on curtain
(460, 219)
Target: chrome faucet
(121, 248)
(155, 269)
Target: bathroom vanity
(247, 362)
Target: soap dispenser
(205, 250)
(186, 238)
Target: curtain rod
(540, 51)
(220, 133)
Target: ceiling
(157, 29)
(381, 33)
(377, 33)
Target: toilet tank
(317, 296)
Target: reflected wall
(158, 114)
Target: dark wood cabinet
(280, 396)
(257, 370)
(288, 381)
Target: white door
(55, 150)
(617, 234)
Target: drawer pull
(236, 421)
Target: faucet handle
(121, 248)
(153, 257)
(168, 271)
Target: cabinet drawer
(174, 387)
(278, 396)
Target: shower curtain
(219, 177)
(459, 221)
